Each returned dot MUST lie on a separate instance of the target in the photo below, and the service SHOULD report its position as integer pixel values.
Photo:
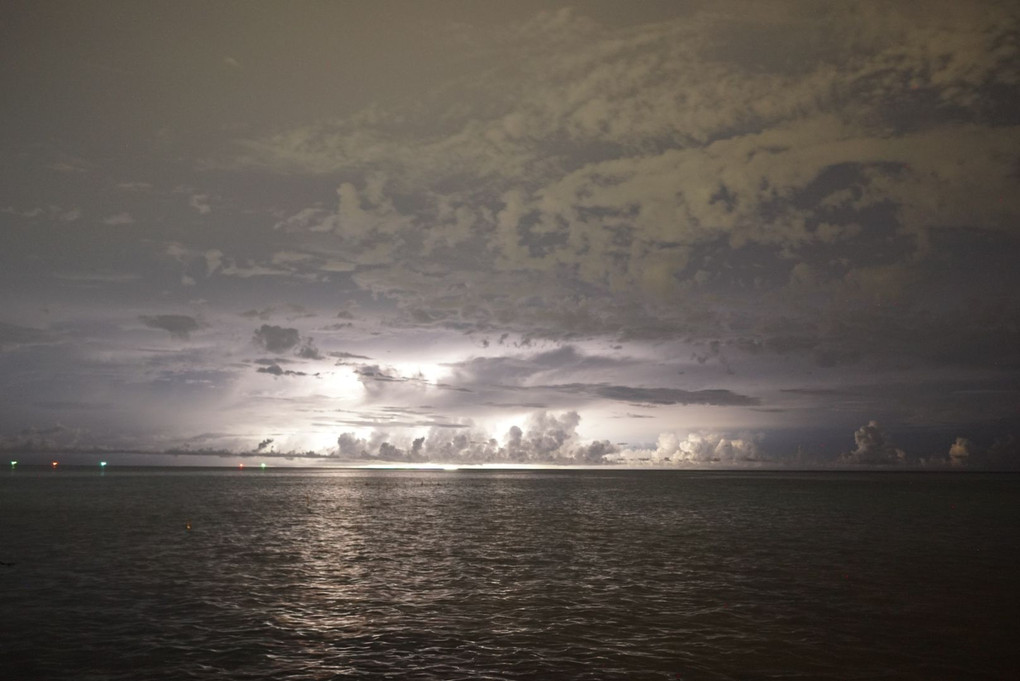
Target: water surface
(507, 575)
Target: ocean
(551, 574)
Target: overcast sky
(631, 232)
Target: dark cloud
(179, 326)
(308, 350)
(276, 338)
(517, 405)
(674, 396)
(277, 370)
(266, 361)
(391, 422)
(290, 311)
(257, 314)
(374, 372)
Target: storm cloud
(712, 234)
(276, 338)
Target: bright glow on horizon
(409, 467)
(462, 467)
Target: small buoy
(187, 525)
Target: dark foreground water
(494, 575)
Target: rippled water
(522, 575)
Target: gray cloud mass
(179, 326)
(276, 338)
(682, 234)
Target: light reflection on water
(520, 575)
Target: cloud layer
(683, 234)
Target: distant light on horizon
(409, 467)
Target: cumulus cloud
(697, 448)
(960, 452)
(543, 438)
(178, 325)
(1002, 454)
(873, 447)
(550, 438)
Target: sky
(645, 233)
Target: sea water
(305, 574)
